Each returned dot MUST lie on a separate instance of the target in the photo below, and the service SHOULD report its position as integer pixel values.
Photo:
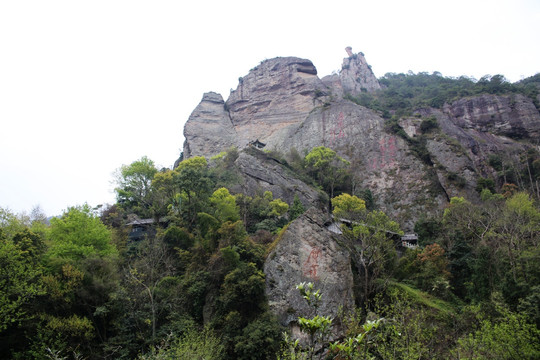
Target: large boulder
(261, 172)
(308, 252)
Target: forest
(188, 281)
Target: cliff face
(513, 116)
(209, 129)
(308, 252)
(283, 103)
(273, 96)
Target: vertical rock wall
(308, 252)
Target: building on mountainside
(141, 228)
(409, 241)
(257, 144)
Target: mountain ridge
(411, 170)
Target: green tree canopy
(134, 183)
(328, 167)
(348, 206)
(194, 184)
(369, 239)
(225, 205)
(19, 282)
(79, 234)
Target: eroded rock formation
(308, 252)
(263, 173)
(209, 129)
(283, 103)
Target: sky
(88, 86)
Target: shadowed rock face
(308, 252)
(513, 116)
(269, 175)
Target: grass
(425, 299)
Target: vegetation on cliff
(403, 93)
(81, 287)
(174, 269)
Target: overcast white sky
(86, 86)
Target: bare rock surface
(461, 150)
(308, 252)
(283, 104)
(513, 116)
(209, 129)
(354, 78)
(274, 95)
(381, 162)
(262, 173)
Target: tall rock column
(354, 78)
(356, 75)
(209, 129)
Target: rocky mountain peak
(355, 76)
(209, 129)
(283, 104)
(274, 95)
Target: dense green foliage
(193, 287)
(404, 93)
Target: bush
(428, 124)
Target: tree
(79, 234)
(508, 336)
(432, 273)
(369, 239)
(163, 192)
(278, 207)
(20, 281)
(134, 186)
(192, 180)
(317, 328)
(225, 205)
(348, 206)
(329, 168)
(193, 344)
(296, 209)
(146, 274)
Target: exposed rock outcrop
(209, 129)
(283, 103)
(381, 162)
(263, 173)
(274, 95)
(514, 116)
(354, 78)
(308, 252)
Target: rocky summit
(282, 104)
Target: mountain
(412, 168)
